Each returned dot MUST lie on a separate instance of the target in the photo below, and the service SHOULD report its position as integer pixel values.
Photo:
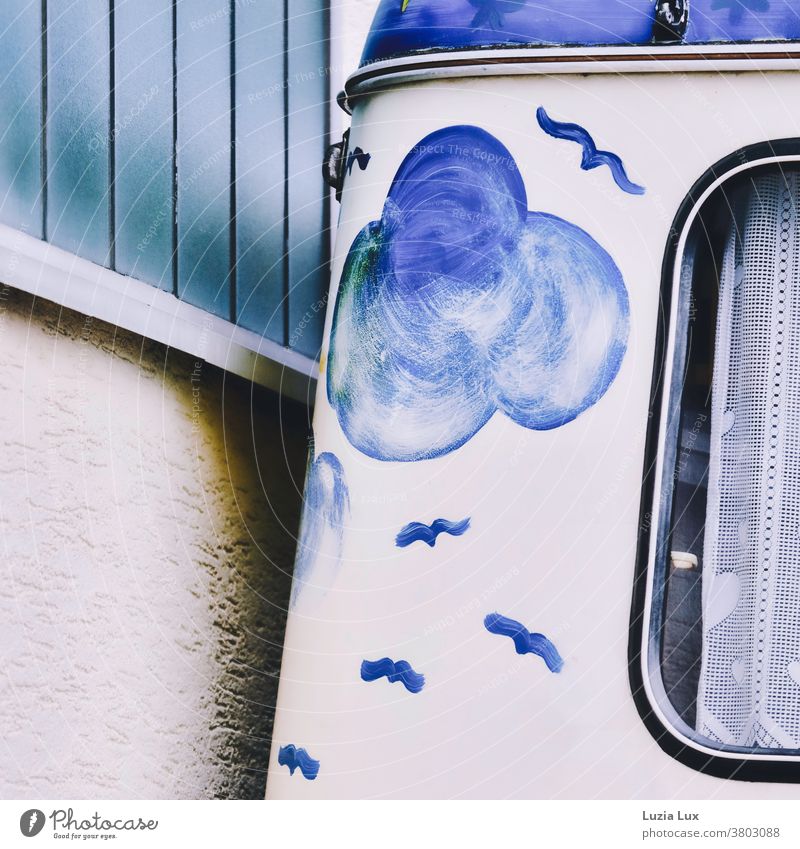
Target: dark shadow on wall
(220, 464)
(265, 444)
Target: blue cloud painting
(326, 507)
(459, 303)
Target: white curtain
(749, 690)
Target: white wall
(350, 23)
(146, 541)
(147, 520)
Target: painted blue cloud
(459, 302)
(326, 506)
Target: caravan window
(720, 653)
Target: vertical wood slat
(78, 138)
(308, 50)
(204, 154)
(260, 168)
(21, 107)
(272, 169)
(143, 135)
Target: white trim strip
(49, 272)
(646, 58)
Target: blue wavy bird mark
(357, 156)
(394, 670)
(420, 532)
(296, 758)
(524, 641)
(592, 157)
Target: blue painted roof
(435, 25)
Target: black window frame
(703, 755)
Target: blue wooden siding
(204, 153)
(21, 108)
(144, 134)
(178, 142)
(77, 131)
(307, 84)
(260, 93)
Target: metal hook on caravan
(333, 165)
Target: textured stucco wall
(147, 521)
